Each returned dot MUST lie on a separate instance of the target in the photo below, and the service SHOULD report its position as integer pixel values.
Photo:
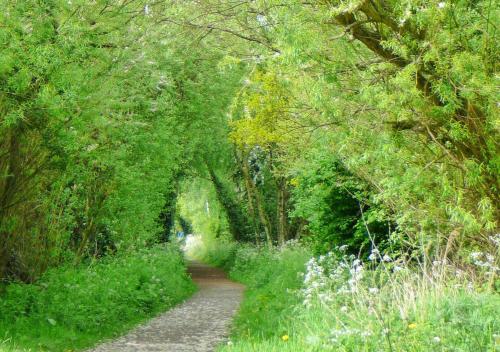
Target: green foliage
(264, 105)
(97, 127)
(333, 202)
(219, 253)
(271, 277)
(83, 146)
(339, 122)
(403, 93)
(74, 307)
(236, 218)
(384, 309)
(198, 203)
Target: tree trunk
(282, 210)
(254, 193)
(251, 209)
(238, 225)
(11, 170)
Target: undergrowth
(335, 302)
(72, 308)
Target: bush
(329, 197)
(71, 308)
(221, 255)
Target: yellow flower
(412, 326)
(285, 337)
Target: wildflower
(366, 334)
(262, 20)
(343, 248)
(312, 340)
(442, 5)
(285, 337)
(325, 297)
(496, 239)
(496, 337)
(92, 147)
(386, 258)
(476, 255)
(373, 290)
(436, 339)
(374, 254)
(412, 326)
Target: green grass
(409, 312)
(222, 255)
(74, 308)
(272, 281)
(270, 299)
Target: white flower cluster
(337, 334)
(495, 239)
(315, 281)
(485, 261)
(290, 244)
(355, 272)
(375, 255)
(328, 276)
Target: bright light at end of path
(193, 245)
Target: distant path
(197, 325)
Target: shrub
(75, 307)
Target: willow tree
(406, 91)
(91, 135)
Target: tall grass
(338, 303)
(72, 308)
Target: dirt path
(197, 325)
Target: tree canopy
(299, 120)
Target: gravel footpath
(198, 325)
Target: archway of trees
(307, 121)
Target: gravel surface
(198, 325)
